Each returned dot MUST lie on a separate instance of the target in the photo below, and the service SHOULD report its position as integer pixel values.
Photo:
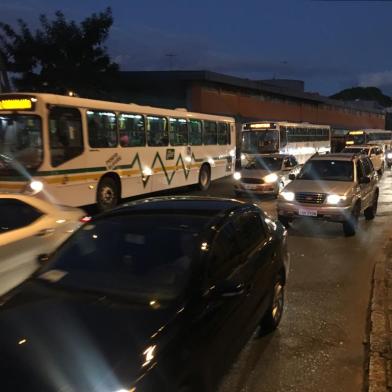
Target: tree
(60, 56)
(364, 94)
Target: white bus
(380, 137)
(299, 139)
(78, 151)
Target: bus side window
(195, 133)
(223, 133)
(283, 136)
(102, 129)
(178, 132)
(157, 131)
(132, 130)
(65, 134)
(210, 135)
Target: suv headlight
(289, 196)
(271, 178)
(335, 199)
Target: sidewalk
(380, 339)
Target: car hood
(52, 340)
(257, 173)
(330, 187)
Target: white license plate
(249, 186)
(307, 212)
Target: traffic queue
(160, 293)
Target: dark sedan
(157, 295)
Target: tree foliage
(60, 55)
(364, 94)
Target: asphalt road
(321, 342)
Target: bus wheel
(107, 194)
(204, 177)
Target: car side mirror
(364, 180)
(292, 176)
(42, 259)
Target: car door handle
(44, 232)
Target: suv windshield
(265, 163)
(327, 170)
(20, 141)
(136, 256)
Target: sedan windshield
(266, 163)
(327, 170)
(136, 256)
(20, 141)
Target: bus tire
(204, 177)
(108, 195)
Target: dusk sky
(330, 45)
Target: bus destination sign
(17, 103)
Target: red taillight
(85, 219)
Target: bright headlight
(271, 178)
(243, 157)
(237, 175)
(389, 155)
(36, 186)
(289, 196)
(335, 199)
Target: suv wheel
(371, 211)
(351, 224)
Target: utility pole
(4, 82)
(170, 56)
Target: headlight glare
(389, 155)
(335, 199)
(289, 196)
(237, 175)
(36, 186)
(271, 178)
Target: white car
(30, 227)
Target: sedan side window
(15, 214)
(224, 255)
(249, 231)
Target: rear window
(138, 256)
(15, 214)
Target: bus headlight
(289, 196)
(389, 155)
(335, 199)
(237, 176)
(271, 178)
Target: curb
(380, 343)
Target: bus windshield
(20, 141)
(357, 139)
(260, 141)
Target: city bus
(78, 151)
(381, 137)
(299, 139)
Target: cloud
(377, 79)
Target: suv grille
(311, 198)
(251, 180)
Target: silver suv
(333, 187)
